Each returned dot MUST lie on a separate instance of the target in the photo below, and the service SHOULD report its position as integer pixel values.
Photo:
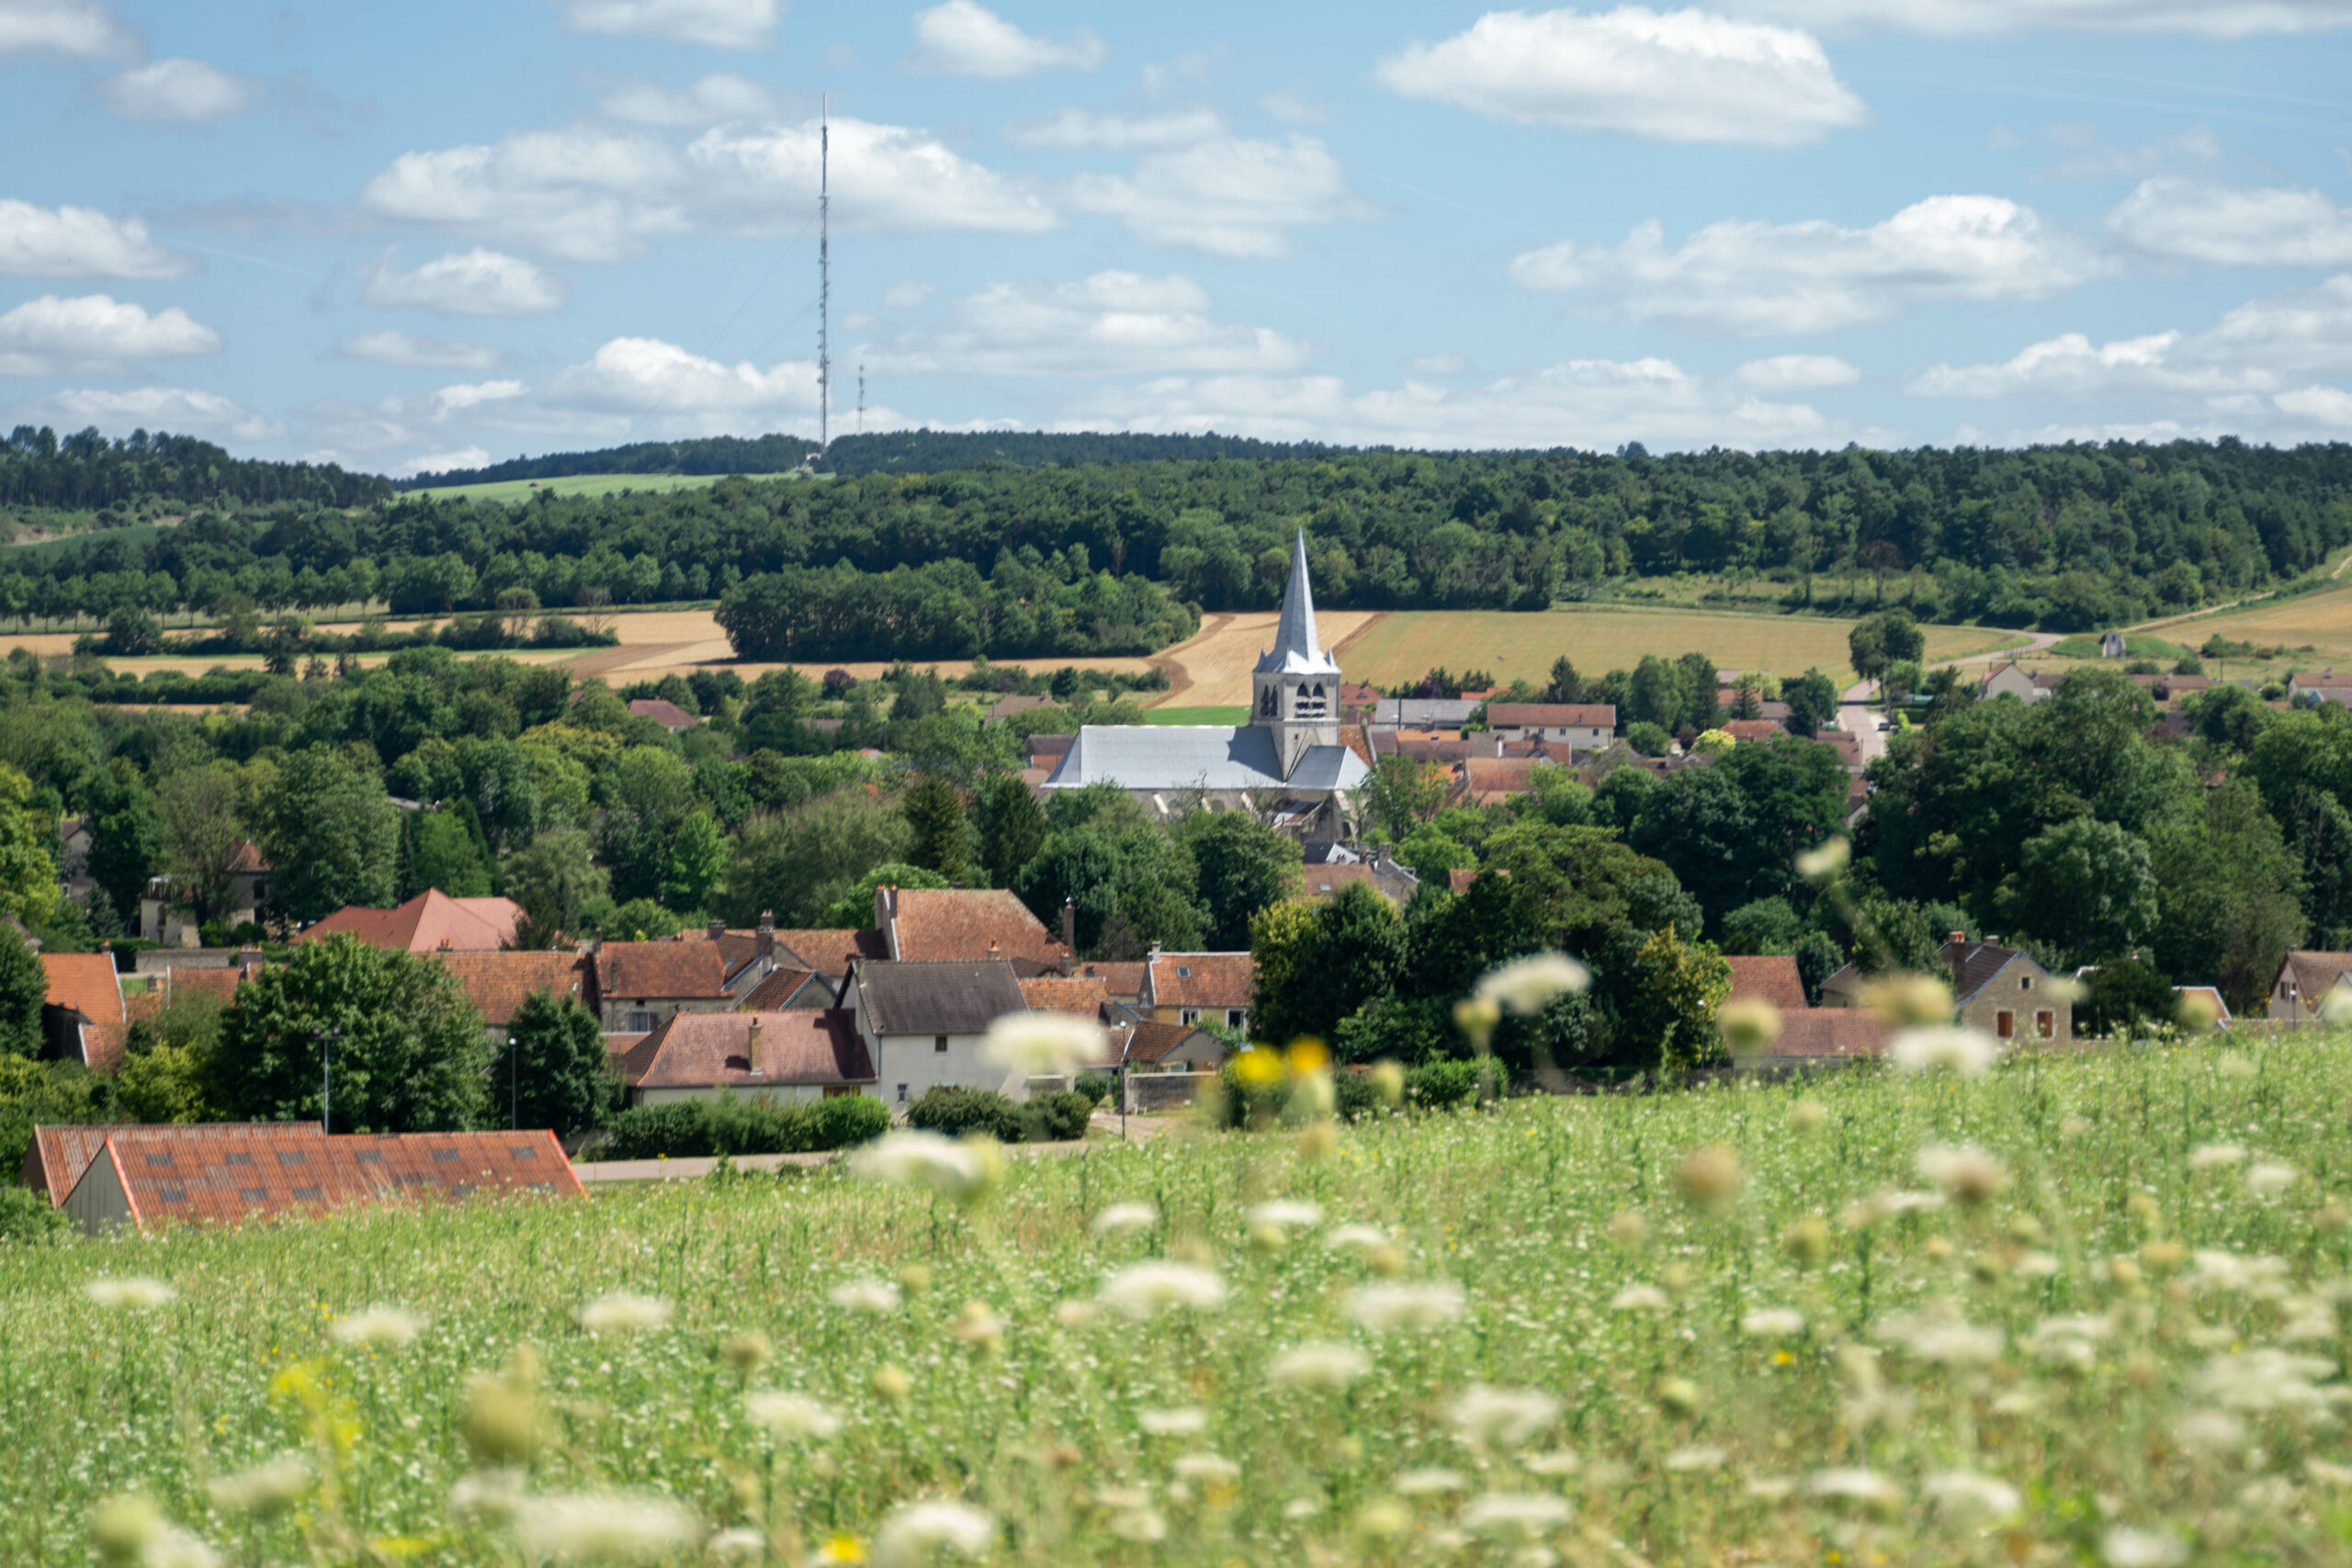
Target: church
(1290, 764)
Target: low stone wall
(1148, 1092)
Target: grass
(2136, 645)
(1514, 645)
(512, 491)
(1198, 716)
(2321, 620)
(2129, 1352)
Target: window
(2007, 1027)
(1192, 1015)
(1237, 1017)
(902, 1094)
(1183, 970)
(2046, 1025)
(641, 1023)
(938, 1044)
(2025, 982)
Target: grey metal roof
(1327, 767)
(1297, 650)
(911, 997)
(1171, 757)
(1424, 713)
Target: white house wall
(914, 1061)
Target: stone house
(922, 1022)
(1198, 988)
(796, 1055)
(2005, 992)
(1579, 726)
(2304, 983)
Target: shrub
(955, 1112)
(1096, 1087)
(689, 1129)
(26, 1218)
(848, 1119)
(1060, 1117)
(1440, 1086)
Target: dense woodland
(1108, 554)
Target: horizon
(1765, 225)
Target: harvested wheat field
(2322, 620)
(1512, 645)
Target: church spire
(1297, 650)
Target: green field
(512, 490)
(1198, 716)
(2128, 1351)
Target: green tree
(698, 864)
(330, 833)
(554, 1068)
(1429, 854)
(1671, 997)
(2123, 994)
(555, 878)
(938, 830)
(1403, 793)
(27, 871)
(1879, 642)
(1565, 685)
(403, 1050)
(1813, 702)
(646, 797)
(2228, 897)
(2086, 888)
(1012, 826)
(1313, 974)
(441, 853)
(24, 986)
(169, 1066)
(202, 814)
(797, 861)
(126, 837)
(1243, 865)
(853, 910)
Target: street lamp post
(326, 1080)
(513, 1079)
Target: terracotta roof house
(233, 1174)
(82, 1015)
(1080, 997)
(165, 917)
(1322, 881)
(183, 980)
(663, 712)
(639, 984)
(2303, 984)
(1157, 1047)
(2005, 992)
(922, 1021)
(1581, 727)
(1846, 744)
(796, 1054)
(497, 983)
(1199, 988)
(58, 1156)
(1753, 732)
(1493, 781)
(1815, 1038)
(2006, 678)
(1005, 707)
(1772, 979)
(2210, 998)
(430, 922)
(928, 924)
(830, 952)
(2322, 685)
(785, 989)
(1122, 978)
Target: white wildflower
(2270, 1180)
(2328, 1474)
(2067, 1341)
(1969, 1052)
(1956, 1345)
(1038, 1044)
(623, 1312)
(1387, 1308)
(1301, 1507)
(1774, 1323)
(2209, 1432)
(1287, 1213)
(1503, 1417)
(486, 1497)
(911, 1535)
(1428, 1483)
(1854, 1485)
(597, 1528)
(384, 1326)
(1146, 1288)
(1356, 1238)
(2035, 1265)
(1141, 1524)
(175, 1547)
(1827, 860)
(2123, 1546)
(864, 1295)
(1322, 1368)
(2210, 1156)
(2266, 1380)
(1971, 1498)
(1640, 1298)
(1529, 985)
(1965, 1173)
(953, 1169)
(265, 1489)
(1182, 1421)
(1077, 1315)
(738, 1545)
(133, 1292)
(791, 1416)
(1125, 1219)
(1521, 1514)
(1695, 1458)
(1208, 1468)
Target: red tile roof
(229, 1173)
(1748, 731)
(1079, 995)
(2314, 973)
(1487, 780)
(643, 969)
(1322, 881)
(933, 924)
(777, 988)
(1122, 978)
(1823, 1033)
(497, 982)
(86, 983)
(829, 952)
(1150, 1041)
(702, 1050)
(206, 981)
(1774, 979)
(427, 923)
(60, 1154)
(1207, 979)
(663, 712)
(247, 858)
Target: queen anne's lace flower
(1145, 1289)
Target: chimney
(767, 934)
(249, 958)
(751, 1050)
(715, 929)
(993, 947)
(1959, 958)
(1069, 931)
(1959, 939)
(1153, 956)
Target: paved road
(1854, 715)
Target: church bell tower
(1294, 687)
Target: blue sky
(413, 236)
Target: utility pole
(824, 279)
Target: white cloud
(1444, 363)
(177, 91)
(586, 195)
(53, 336)
(2210, 18)
(641, 375)
(464, 459)
(722, 24)
(468, 283)
(1586, 404)
(911, 295)
(962, 39)
(1797, 373)
(391, 347)
(75, 242)
(1674, 76)
(173, 409)
(455, 399)
(1753, 278)
(1229, 197)
(1082, 131)
(1110, 324)
(79, 28)
(2234, 228)
(711, 101)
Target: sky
(420, 236)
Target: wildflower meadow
(2086, 1309)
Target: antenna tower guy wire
(824, 279)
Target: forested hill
(88, 472)
(714, 455)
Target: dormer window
(1183, 970)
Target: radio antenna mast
(860, 399)
(824, 280)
